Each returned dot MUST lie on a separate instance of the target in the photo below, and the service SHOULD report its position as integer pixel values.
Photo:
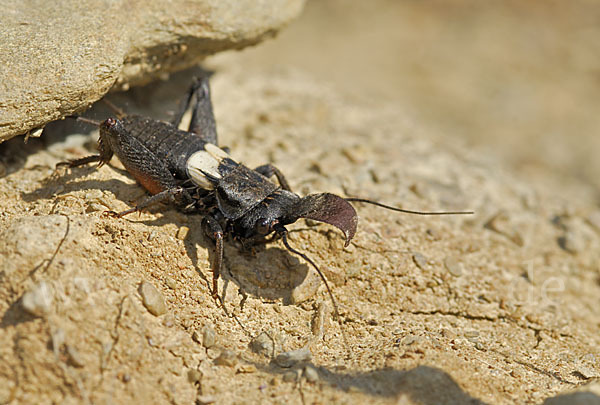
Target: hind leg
(203, 119)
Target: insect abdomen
(170, 144)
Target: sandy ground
(500, 307)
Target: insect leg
(106, 153)
(269, 170)
(203, 119)
(172, 193)
(213, 230)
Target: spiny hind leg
(203, 119)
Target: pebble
(74, 357)
(205, 399)
(246, 369)
(420, 260)
(38, 301)
(587, 372)
(448, 333)
(171, 283)
(262, 344)
(469, 334)
(453, 266)
(500, 223)
(311, 374)
(572, 242)
(194, 376)
(594, 220)
(152, 299)
(288, 359)
(182, 232)
(226, 358)
(410, 339)
(290, 376)
(209, 337)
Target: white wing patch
(205, 163)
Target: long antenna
(86, 120)
(283, 232)
(389, 207)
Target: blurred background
(519, 79)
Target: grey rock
(227, 358)
(311, 374)
(209, 337)
(262, 344)
(58, 58)
(288, 359)
(38, 301)
(153, 299)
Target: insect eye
(263, 226)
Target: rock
(58, 58)
(291, 376)
(420, 260)
(453, 266)
(205, 399)
(209, 337)
(311, 374)
(38, 301)
(226, 358)
(153, 299)
(288, 359)
(262, 344)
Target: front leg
(269, 170)
(213, 230)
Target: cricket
(190, 170)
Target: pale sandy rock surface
(59, 57)
(495, 308)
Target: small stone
(171, 283)
(194, 376)
(290, 376)
(152, 299)
(38, 301)
(288, 359)
(246, 369)
(501, 224)
(94, 207)
(205, 399)
(262, 344)
(311, 374)
(335, 275)
(226, 358)
(572, 242)
(594, 219)
(453, 266)
(420, 260)
(209, 337)
(410, 339)
(448, 334)
(586, 372)
(469, 334)
(74, 357)
(182, 232)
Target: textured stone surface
(59, 57)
